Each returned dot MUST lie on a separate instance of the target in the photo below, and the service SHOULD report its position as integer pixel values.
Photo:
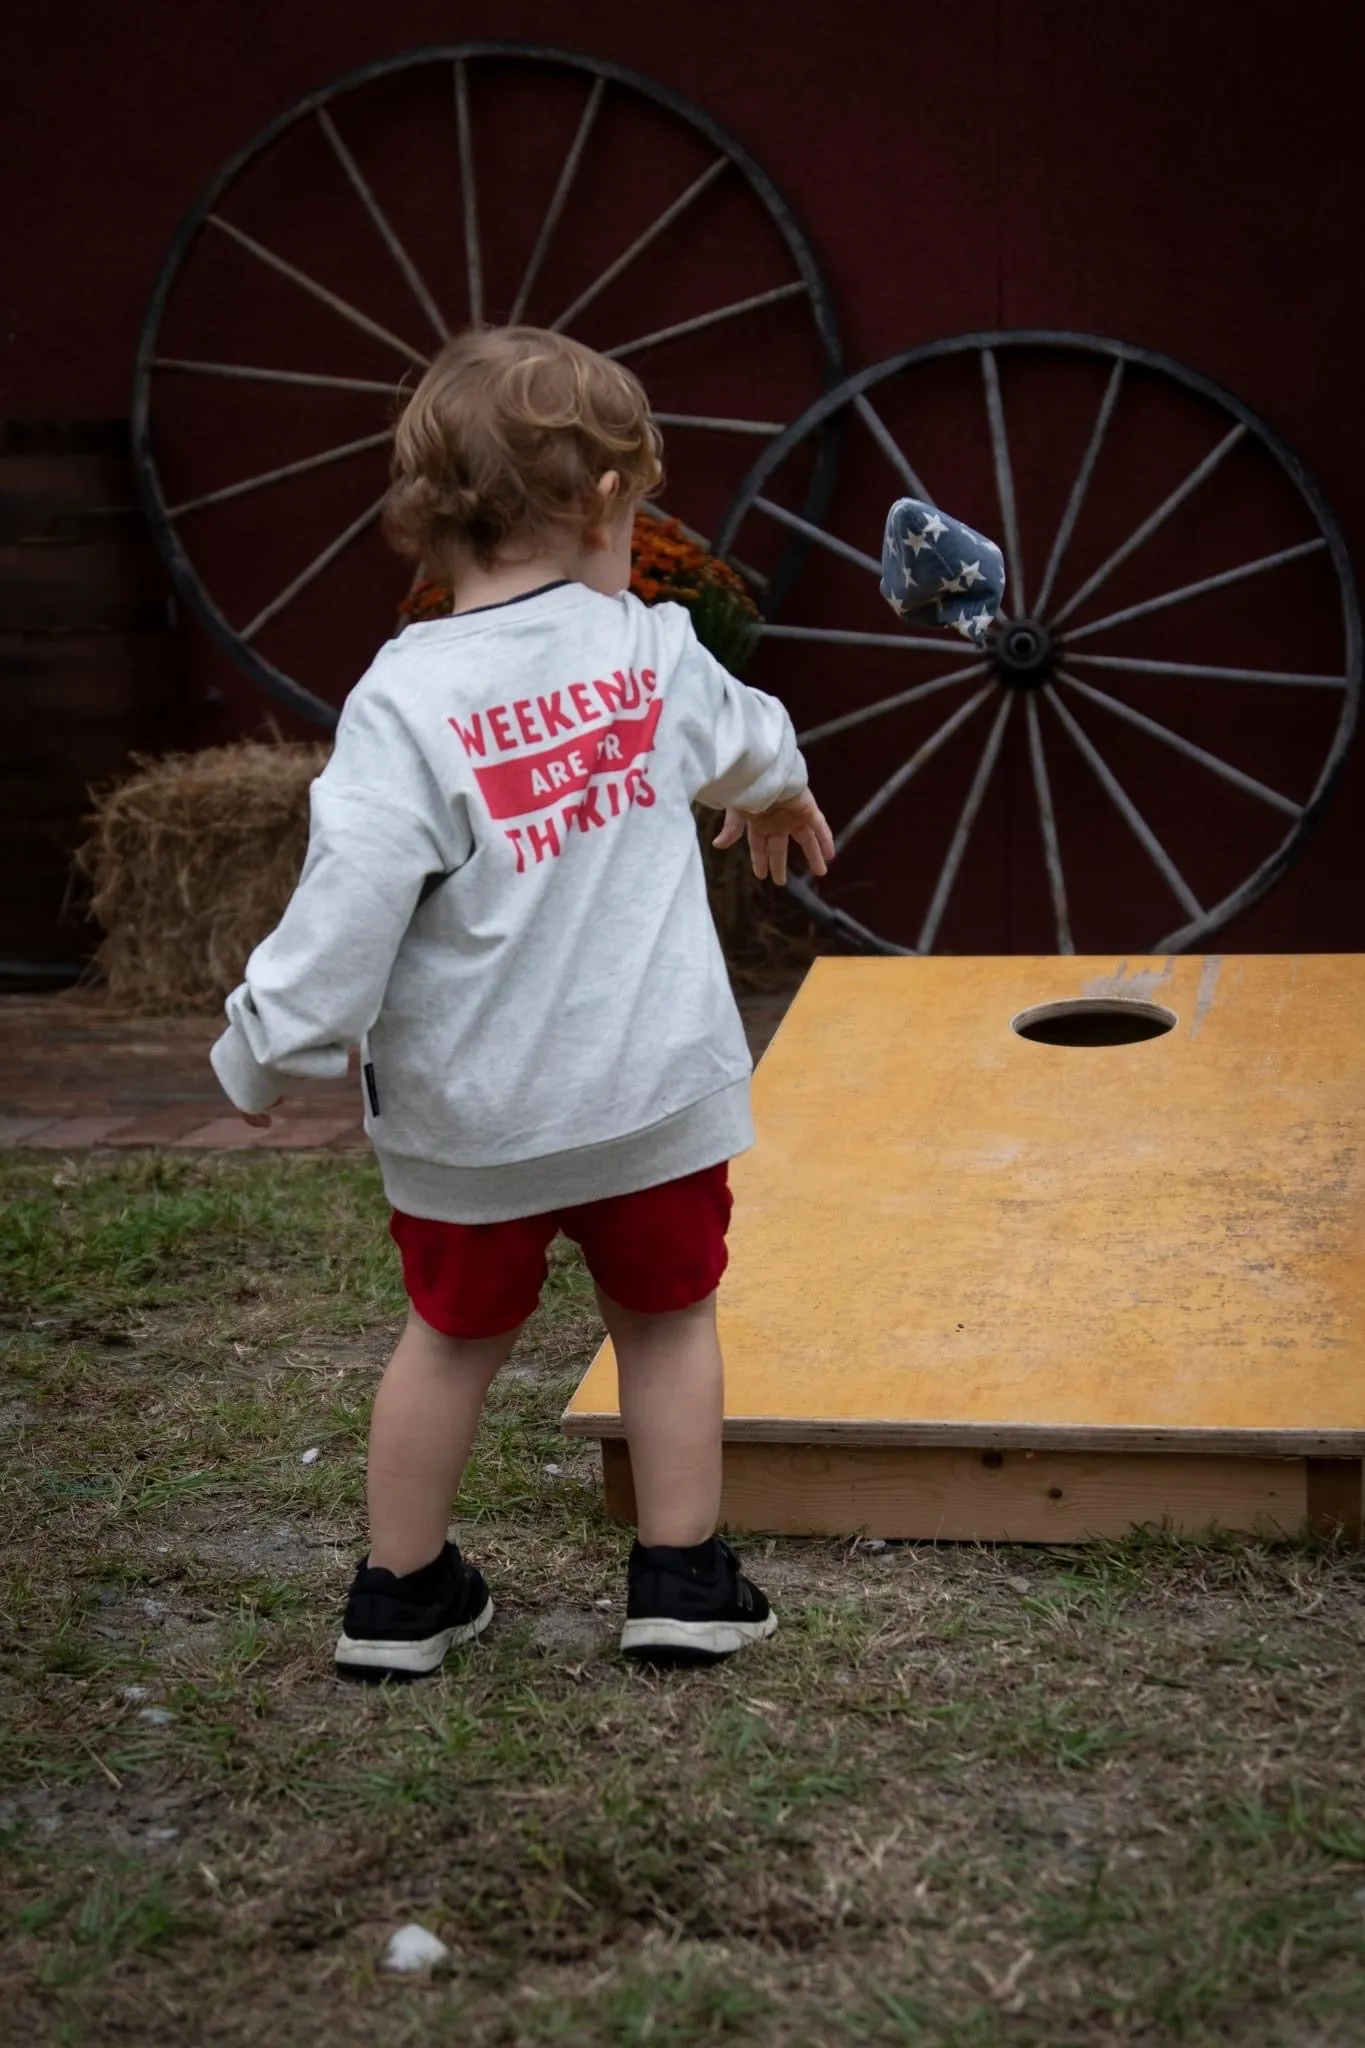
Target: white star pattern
(941, 585)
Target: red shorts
(656, 1252)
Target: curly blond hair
(508, 433)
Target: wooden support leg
(618, 1483)
(1334, 1497)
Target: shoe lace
(744, 1592)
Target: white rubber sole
(699, 1640)
(408, 1660)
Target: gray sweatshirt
(503, 902)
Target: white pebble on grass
(604, 1602)
(160, 1717)
(413, 1948)
(134, 1693)
(311, 1457)
(553, 1470)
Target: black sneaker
(691, 1606)
(402, 1628)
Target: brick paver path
(75, 1076)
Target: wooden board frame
(1194, 1362)
(962, 1495)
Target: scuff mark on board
(1139, 988)
(1208, 983)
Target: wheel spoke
(1126, 808)
(1213, 762)
(890, 447)
(1220, 582)
(247, 374)
(314, 569)
(840, 636)
(882, 797)
(884, 705)
(556, 206)
(642, 242)
(380, 218)
(473, 256)
(1151, 523)
(1224, 675)
(1004, 478)
(933, 917)
(318, 291)
(712, 424)
(695, 326)
(1080, 487)
(817, 533)
(1047, 819)
(276, 476)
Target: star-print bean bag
(930, 560)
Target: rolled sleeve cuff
(248, 1085)
(781, 785)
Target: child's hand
(263, 1121)
(769, 832)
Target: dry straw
(191, 862)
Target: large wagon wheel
(1161, 715)
(324, 263)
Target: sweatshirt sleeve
(741, 746)
(315, 985)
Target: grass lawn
(965, 1797)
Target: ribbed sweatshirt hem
(718, 1128)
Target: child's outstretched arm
(747, 763)
(315, 985)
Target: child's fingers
(731, 832)
(758, 852)
(777, 860)
(813, 848)
(824, 836)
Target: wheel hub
(1024, 654)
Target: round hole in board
(1099, 1020)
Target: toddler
(503, 902)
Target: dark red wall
(1188, 176)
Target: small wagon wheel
(327, 260)
(1164, 709)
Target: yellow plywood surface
(947, 1232)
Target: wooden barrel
(90, 672)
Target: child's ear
(604, 506)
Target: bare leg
(672, 1400)
(426, 1414)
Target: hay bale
(192, 861)
(765, 936)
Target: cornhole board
(984, 1288)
